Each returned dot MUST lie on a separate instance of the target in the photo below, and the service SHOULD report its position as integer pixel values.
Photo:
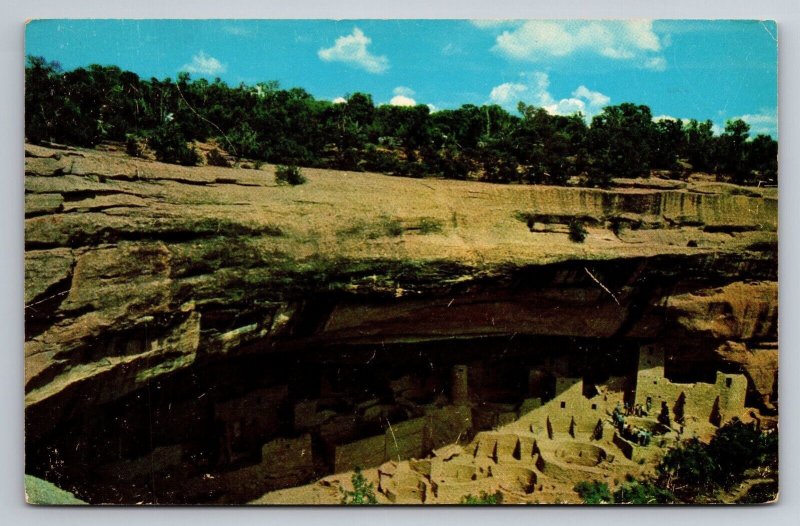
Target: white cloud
(432, 108)
(595, 98)
(534, 88)
(339, 100)
(204, 65)
(402, 100)
(403, 90)
(765, 122)
(537, 40)
(352, 49)
(508, 93)
(655, 63)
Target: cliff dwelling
(191, 351)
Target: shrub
(216, 158)
(391, 227)
(642, 493)
(289, 175)
(134, 145)
(577, 231)
(363, 492)
(738, 447)
(170, 146)
(415, 170)
(484, 500)
(688, 466)
(698, 470)
(430, 226)
(593, 492)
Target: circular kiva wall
(580, 454)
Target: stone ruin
(550, 444)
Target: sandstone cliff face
(136, 269)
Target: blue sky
(714, 70)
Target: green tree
(620, 140)
(43, 99)
(762, 158)
(667, 144)
(733, 150)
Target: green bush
(134, 145)
(429, 225)
(577, 231)
(738, 447)
(484, 500)
(642, 493)
(363, 492)
(170, 146)
(216, 158)
(391, 227)
(593, 492)
(289, 175)
(696, 470)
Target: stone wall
(702, 403)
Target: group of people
(629, 432)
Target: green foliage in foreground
(484, 499)
(363, 491)
(698, 470)
(695, 472)
(593, 492)
(38, 491)
(635, 492)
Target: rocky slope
(137, 269)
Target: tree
(43, 99)
(549, 147)
(732, 150)
(762, 158)
(620, 139)
(700, 145)
(667, 144)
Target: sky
(717, 70)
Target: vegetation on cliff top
(263, 122)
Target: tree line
(86, 106)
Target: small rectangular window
(728, 382)
(594, 406)
(563, 405)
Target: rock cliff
(135, 269)
(194, 320)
